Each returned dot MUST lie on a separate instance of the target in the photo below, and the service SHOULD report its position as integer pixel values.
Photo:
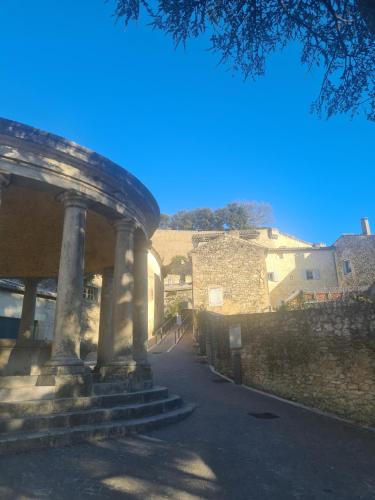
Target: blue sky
(193, 132)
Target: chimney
(366, 231)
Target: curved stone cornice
(40, 156)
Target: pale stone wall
(11, 307)
(155, 294)
(360, 252)
(273, 238)
(234, 268)
(289, 270)
(323, 357)
(169, 243)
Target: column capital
(73, 199)
(143, 245)
(124, 225)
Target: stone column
(105, 340)
(65, 368)
(140, 334)
(26, 329)
(4, 182)
(122, 364)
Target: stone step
(88, 417)
(26, 393)
(105, 388)
(17, 381)
(21, 409)
(89, 433)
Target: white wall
(11, 307)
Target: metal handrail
(163, 330)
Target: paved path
(167, 343)
(220, 452)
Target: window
(347, 268)
(273, 276)
(309, 274)
(215, 296)
(312, 274)
(90, 293)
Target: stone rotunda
(66, 212)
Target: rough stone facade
(359, 252)
(230, 276)
(323, 357)
(292, 265)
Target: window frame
(346, 267)
(218, 303)
(90, 293)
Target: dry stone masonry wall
(323, 357)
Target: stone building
(292, 266)
(65, 213)
(230, 276)
(355, 258)
(11, 299)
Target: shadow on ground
(222, 451)
(134, 468)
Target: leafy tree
(243, 215)
(182, 220)
(337, 35)
(165, 221)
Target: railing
(163, 330)
(168, 325)
(183, 327)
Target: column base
(26, 358)
(69, 375)
(137, 376)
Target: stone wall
(234, 270)
(155, 294)
(169, 243)
(359, 250)
(323, 357)
(11, 307)
(289, 270)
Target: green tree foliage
(245, 215)
(336, 35)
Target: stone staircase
(32, 418)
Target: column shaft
(26, 329)
(4, 182)
(140, 336)
(105, 341)
(67, 329)
(123, 285)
